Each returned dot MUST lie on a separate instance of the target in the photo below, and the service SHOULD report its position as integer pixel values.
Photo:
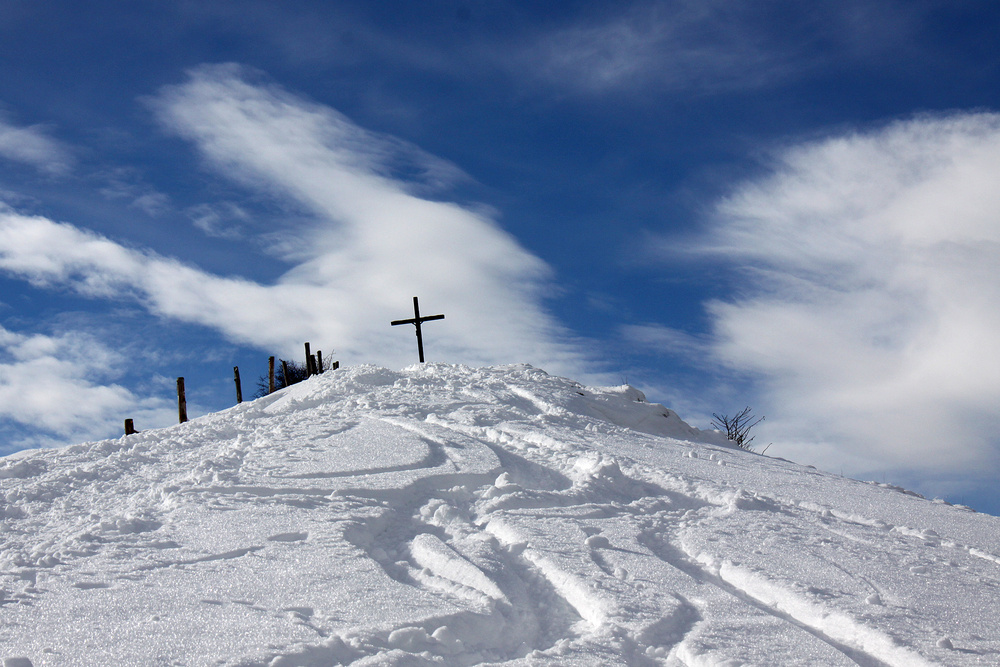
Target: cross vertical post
(417, 321)
(182, 408)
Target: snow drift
(444, 515)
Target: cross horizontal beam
(413, 320)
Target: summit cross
(417, 321)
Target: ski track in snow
(443, 515)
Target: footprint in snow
(288, 537)
(88, 585)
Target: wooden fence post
(270, 375)
(239, 388)
(284, 371)
(309, 362)
(319, 362)
(182, 411)
(129, 427)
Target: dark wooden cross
(417, 321)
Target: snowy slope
(457, 516)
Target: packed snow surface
(444, 515)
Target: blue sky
(778, 204)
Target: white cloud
(32, 146)
(51, 254)
(872, 305)
(55, 387)
(373, 245)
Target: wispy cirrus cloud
(661, 339)
(222, 220)
(673, 46)
(373, 240)
(126, 184)
(640, 46)
(708, 46)
(33, 146)
(871, 304)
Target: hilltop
(457, 516)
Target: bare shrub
(737, 428)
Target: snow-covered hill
(457, 516)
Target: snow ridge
(444, 515)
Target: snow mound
(444, 515)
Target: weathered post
(284, 373)
(270, 375)
(182, 411)
(129, 427)
(309, 363)
(239, 388)
(319, 362)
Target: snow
(444, 515)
